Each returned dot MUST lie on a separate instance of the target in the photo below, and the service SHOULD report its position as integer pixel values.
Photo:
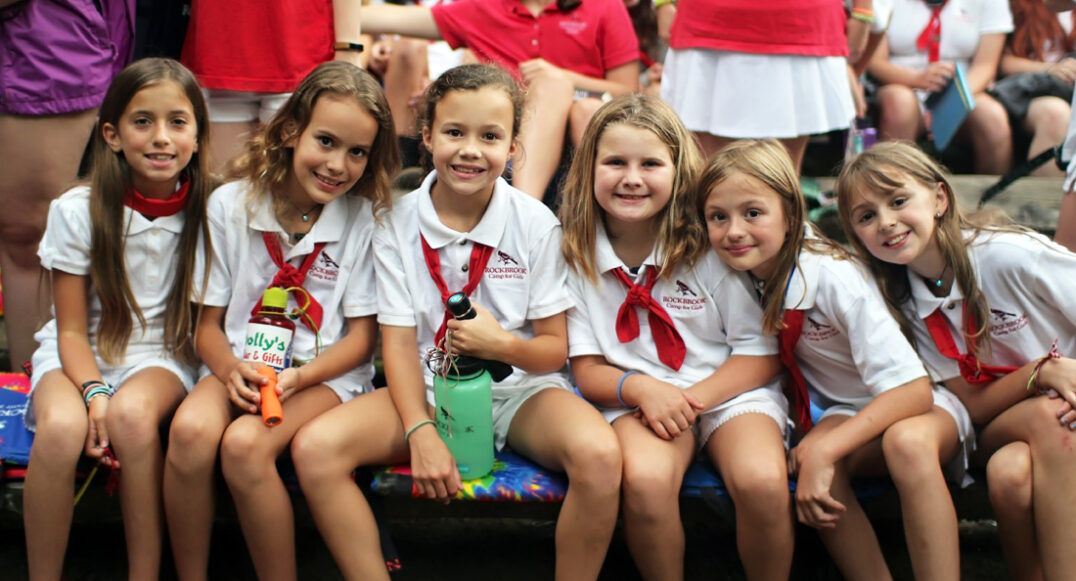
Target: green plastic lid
(275, 297)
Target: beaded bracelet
(863, 15)
(1033, 380)
(91, 384)
(102, 389)
(620, 387)
(407, 436)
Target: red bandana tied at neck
(480, 254)
(796, 386)
(971, 369)
(930, 39)
(671, 348)
(289, 277)
(155, 208)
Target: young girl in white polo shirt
(845, 353)
(667, 341)
(117, 359)
(433, 244)
(301, 217)
(993, 315)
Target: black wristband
(352, 46)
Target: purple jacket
(59, 56)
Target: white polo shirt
(712, 306)
(963, 22)
(851, 349)
(1030, 286)
(524, 279)
(341, 278)
(149, 255)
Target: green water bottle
(464, 401)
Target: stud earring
(938, 216)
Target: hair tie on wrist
(620, 388)
(407, 436)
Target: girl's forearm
(905, 401)
(737, 375)
(353, 349)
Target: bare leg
(899, 116)
(1047, 120)
(711, 144)
(653, 472)
(1066, 222)
(915, 449)
(987, 128)
(134, 418)
(49, 488)
(797, 147)
(541, 135)
(579, 117)
(561, 431)
(248, 456)
(1053, 476)
(362, 432)
(852, 543)
(749, 452)
(227, 140)
(40, 160)
(406, 75)
(189, 499)
(1008, 477)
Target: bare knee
(579, 116)
(193, 440)
(759, 487)
(910, 451)
(595, 464)
(128, 421)
(242, 449)
(317, 455)
(899, 112)
(59, 437)
(1008, 477)
(1048, 118)
(650, 489)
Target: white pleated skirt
(741, 95)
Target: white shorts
(956, 470)
(242, 106)
(741, 95)
(138, 357)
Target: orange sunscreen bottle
(272, 412)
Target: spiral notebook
(949, 108)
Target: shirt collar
(138, 223)
(329, 227)
(488, 231)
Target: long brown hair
(767, 161)
(681, 235)
(110, 181)
(268, 160)
(885, 168)
(1035, 26)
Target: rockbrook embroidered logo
(1004, 323)
(683, 289)
(573, 27)
(815, 331)
(508, 268)
(686, 300)
(324, 268)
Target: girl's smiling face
(470, 140)
(633, 177)
(157, 135)
(331, 153)
(746, 222)
(898, 226)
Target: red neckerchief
(289, 277)
(155, 208)
(480, 254)
(930, 39)
(796, 386)
(671, 348)
(971, 369)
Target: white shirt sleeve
(581, 338)
(67, 240)
(548, 278)
(360, 288)
(394, 302)
(218, 290)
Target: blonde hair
(767, 161)
(887, 167)
(681, 234)
(109, 183)
(268, 160)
